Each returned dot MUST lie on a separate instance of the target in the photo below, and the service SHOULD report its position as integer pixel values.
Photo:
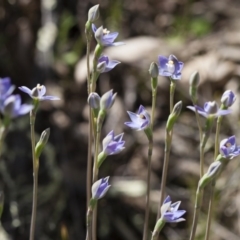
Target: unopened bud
(42, 142)
(174, 116)
(194, 79)
(153, 70)
(93, 13)
(193, 82)
(94, 100)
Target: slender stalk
(206, 134)
(35, 176)
(1, 138)
(154, 97)
(145, 230)
(172, 91)
(199, 125)
(89, 224)
(211, 201)
(198, 203)
(89, 156)
(95, 173)
(201, 160)
(168, 140)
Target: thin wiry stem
(168, 142)
(89, 224)
(145, 230)
(89, 156)
(211, 201)
(198, 203)
(199, 125)
(95, 174)
(201, 161)
(35, 176)
(154, 97)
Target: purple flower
(210, 109)
(106, 65)
(170, 67)
(113, 144)
(38, 93)
(6, 88)
(100, 188)
(12, 107)
(170, 212)
(139, 121)
(229, 148)
(228, 98)
(104, 37)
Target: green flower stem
(89, 156)
(97, 53)
(35, 174)
(158, 227)
(172, 91)
(100, 120)
(154, 98)
(89, 224)
(199, 125)
(198, 203)
(90, 128)
(212, 190)
(150, 147)
(89, 216)
(2, 134)
(168, 141)
(206, 134)
(210, 210)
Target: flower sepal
(92, 203)
(149, 134)
(101, 157)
